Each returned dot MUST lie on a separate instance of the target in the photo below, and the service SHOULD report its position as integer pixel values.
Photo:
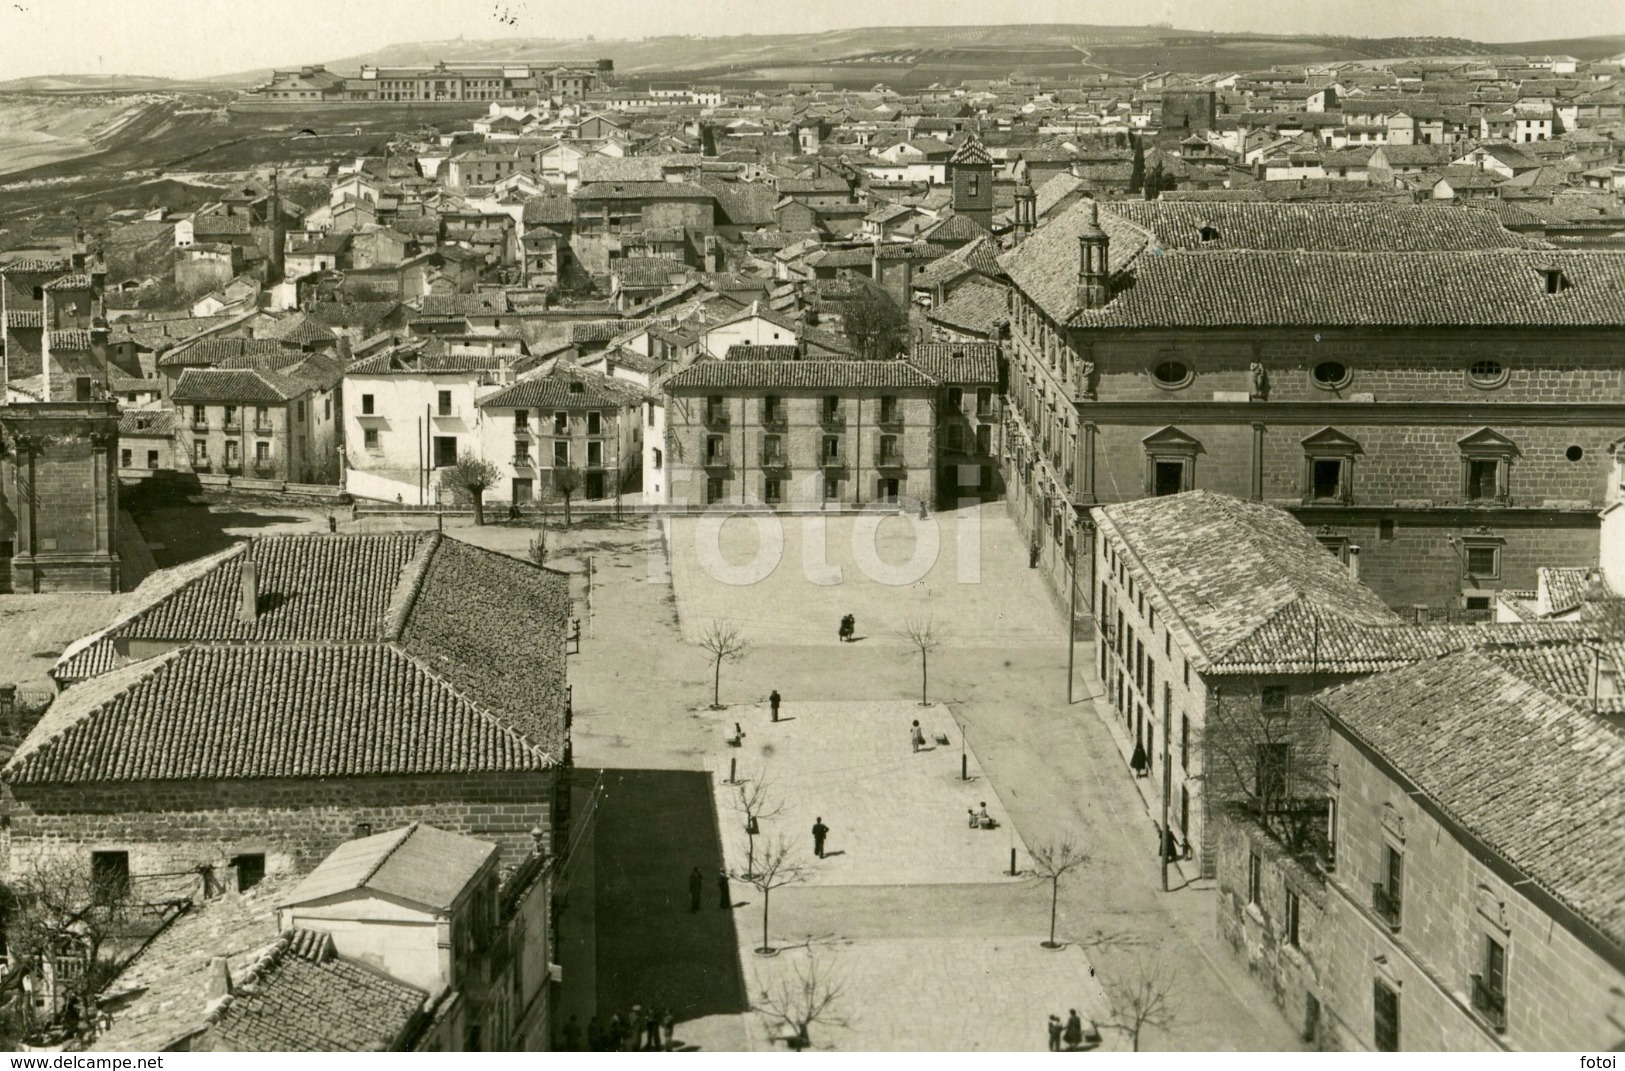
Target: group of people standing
(1072, 1035)
(640, 1031)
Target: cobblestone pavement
(896, 816)
(867, 565)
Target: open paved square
(896, 816)
(787, 579)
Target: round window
(1574, 453)
(1487, 373)
(1172, 374)
(1332, 375)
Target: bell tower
(970, 176)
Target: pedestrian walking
(724, 898)
(595, 1034)
(916, 736)
(819, 831)
(773, 701)
(1073, 1034)
(668, 1028)
(1138, 760)
(572, 1035)
(1054, 1033)
(617, 1033)
(696, 885)
(634, 1029)
(654, 1029)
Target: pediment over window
(1330, 441)
(1171, 440)
(1486, 442)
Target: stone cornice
(1477, 414)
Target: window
(972, 185)
(443, 403)
(1486, 460)
(1385, 1017)
(200, 415)
(561, 423)
(1168, 478)
(200, 451)
(299, 410)
(832, 488)
(1292, 912)
(595, 453)
(1270, 777)
(126, 459)
(888, 448)
(1489, 988)
(262, 452)
(595, 423)
(1255, 876)
(771, 491)
(109, 876)
(1385, 531)
(152, 459)
(561, 454)
(716, 449)
(651, 414)
(1386, 898)
(1327, 480)
(1483, 480)
(956, 400)
(1184, 742)
(521, 420)
(984, 401)
(1172, 375)
(367, 403)
(715, 489)
(832, 447)
(657, 458)
(369, 438)
(327, 409)
(1483, 562)
(445, 451)
(250, 870)
(521, 452)
(1272, 700)
(1332, 375)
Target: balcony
(202, 468)
(1490, 1004)
(448, 413)
(716, 418)
(523, 461)
(234, 468)
(832, 461)
(264, 470)
(1385, 905)
(200, 425)
(716, 461)
(833, 418)
(775, 459)
(775, 420)
(890, 419)
(264, 429)
(232, 427)
(889, 459)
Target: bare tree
(725, 643)
(811, 996)
(567, 481)
(470, 478)
(1143, 1001)
(776, 867)
(926, 636)
(537, 552)
(755, 802)
(1053, 861)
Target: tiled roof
(973, 307)
(556, 391)
(1532, 776)
(71, 281)
(304, 997)
(956, 229)
(419, 863)
(1224, 569)
(799, 375)
(35, 266)
(744, 352)
(423, 357)
(551, 209)
(1566, 589)
(486, 303)
(974, 363)
(1377, 227)
(267, 711)
(72, 338)
(300, 328)
(603, 330)
(1444, 289)
(1045, 266)
(142, 422)
(209, 351)
(971, 153)
(199, 386)
(642, 191)
(162, 995)
(24, 318)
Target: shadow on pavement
(654, 828)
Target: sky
(199, 38)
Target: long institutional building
(440, 83)
(1414, 381)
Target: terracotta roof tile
(199, 386)
(958, 362)
(799, 375)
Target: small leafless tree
(755, 802)
(811, 995)
(778, 865)
(567, 481)
(1053, 861)
(926, 636)
(470, 478)
(538, 548)
(1145, 1000)
(1263, 756)
(725, 643)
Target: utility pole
(1167, 783)
(1072, 617)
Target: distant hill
(918, 54)
(94, 83)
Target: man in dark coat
(724, 899)
(773, 701)
(1073, 1035)
(819, 831)
(696, 884)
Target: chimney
(1093, 249)
(249, 574)
(219, 985)
(1354, 563)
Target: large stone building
(807, 433)
(1471, 898)
(566, 420)
(1412, 379)
(440, 83)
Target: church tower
(970, 176)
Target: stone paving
(946, 994)
(896, 816)
(788, 579)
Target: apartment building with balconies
(566, 420)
